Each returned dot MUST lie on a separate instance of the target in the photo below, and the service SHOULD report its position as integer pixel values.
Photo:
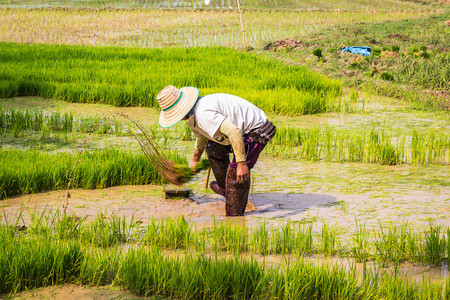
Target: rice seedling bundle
(24, 172)
(127, 76)
(173, 172)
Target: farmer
(223, 124)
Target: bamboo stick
(242, 25)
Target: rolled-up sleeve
(235, 136)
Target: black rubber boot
(236, 195)
(218, 156)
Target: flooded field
(346, 197)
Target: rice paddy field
(350, 200)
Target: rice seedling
(305, 281)
(108, 75)
(329, 241)
(18, 120)
(108, 231)
(434, 245)
(304, 240)
(45, 264)
(232, 238)
(370, 145)
(360, 248)
(31, 171)
(145, 27)
(149, 271)
(168, 233)
(99, 267)
(260, 240)
(391, 244)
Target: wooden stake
(207, 178)
(242, 25)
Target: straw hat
(175, 104)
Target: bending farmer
(223, 124)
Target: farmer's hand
(195, 159)
(242, 172)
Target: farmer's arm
(237, 143)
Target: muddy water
(73, 291)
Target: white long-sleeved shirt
(224, 118)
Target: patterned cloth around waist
(263, 134)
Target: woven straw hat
(175, 104)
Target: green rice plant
(18, 120)
(31, 263)
(430, 289)
(303, 239)
(68, 226)
(448, 248)
(391, 244)
(418, 148)
(372, 145)
(99, 267)
(232, 238)
(168, 233)
(310, 144)
(329, 136)
(283, 239)
(414, 249)
(260, 240)
(108, 231)
(381, 148)
(387, 286)
(30, 171)
(329, 241)
(356, 148)
(434, 245)
(360, 247)
(148, 273)
(306, 281)
(447, 289)
(108, 75)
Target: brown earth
(73, 291)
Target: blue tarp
(366, 51)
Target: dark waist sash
(263, 134)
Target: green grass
(421, 81)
